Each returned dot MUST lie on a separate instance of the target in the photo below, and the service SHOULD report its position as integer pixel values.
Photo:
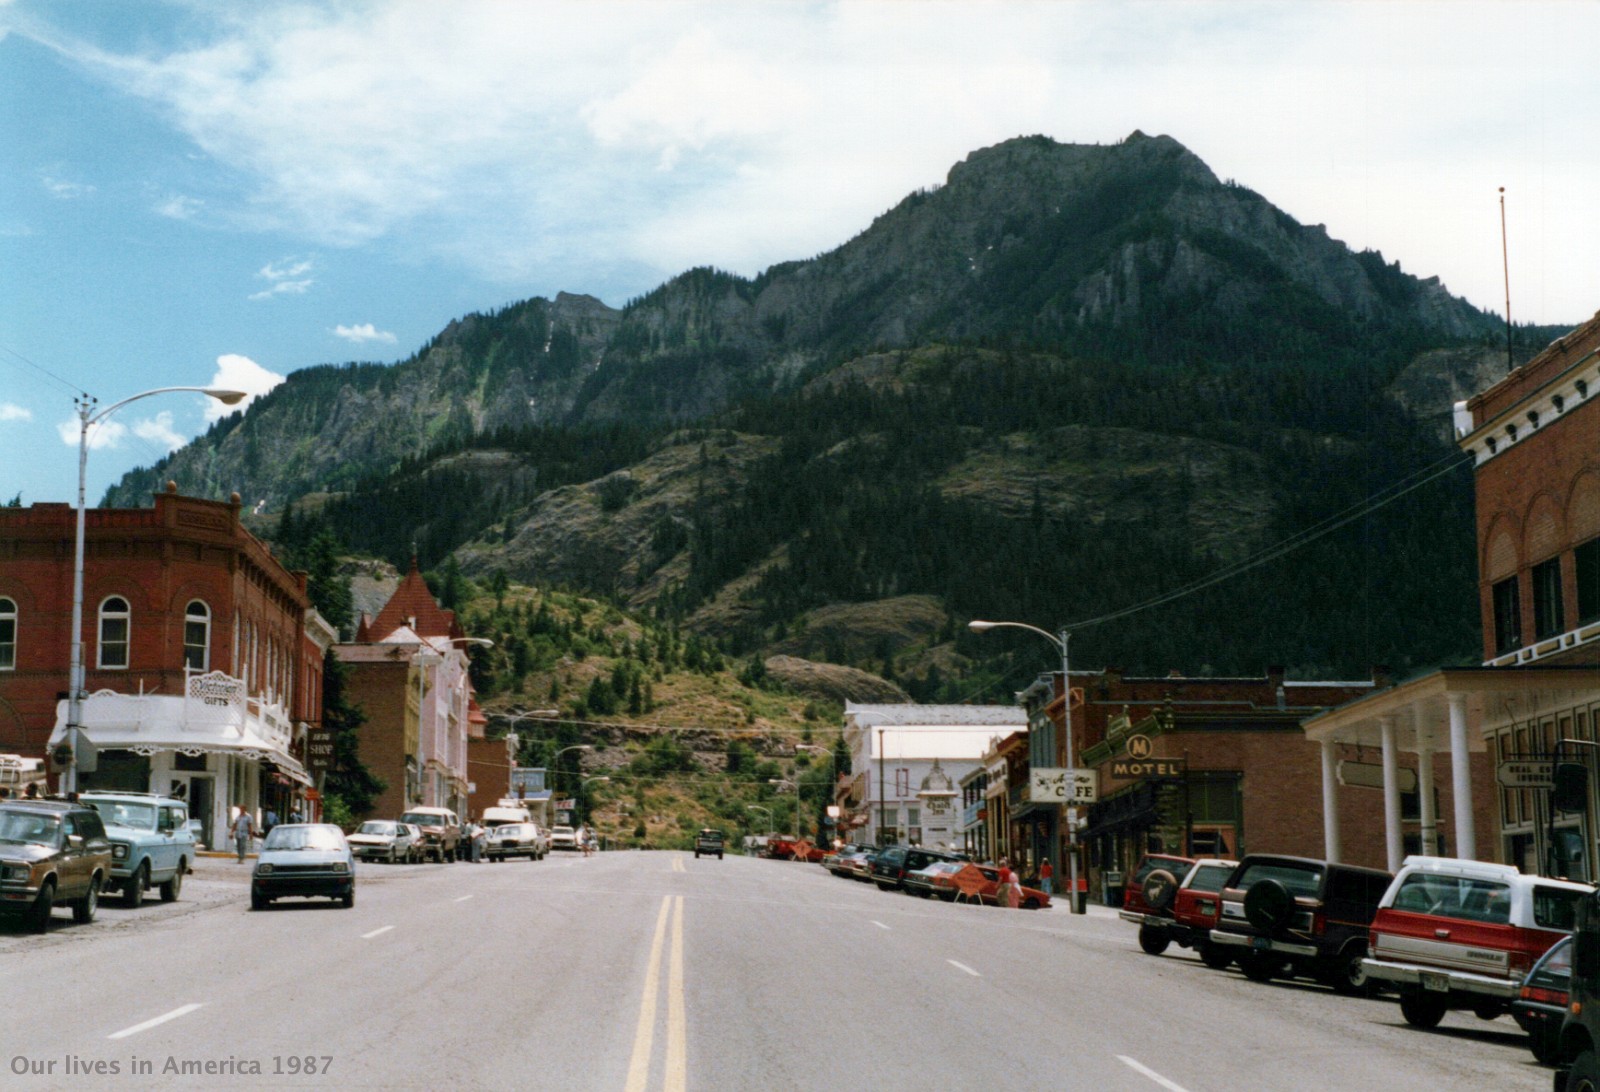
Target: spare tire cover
(1268, 905)
(1160, 888)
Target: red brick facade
(159, 561)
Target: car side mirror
(1571, 787)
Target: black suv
(890, 866)
(1288, 916)
(51, 852)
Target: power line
(42, 370)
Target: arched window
(8, 635)
(115, 622)
(197, 636)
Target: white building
(895, 793)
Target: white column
(1430, 821)
(1392, 842)
(1461, 779)
(1330, 802)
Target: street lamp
(765, 811)
(1068, 813)
(87, 419)
(799, 831)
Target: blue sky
(197, 193)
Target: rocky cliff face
(1029, 240)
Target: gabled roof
(413, 605)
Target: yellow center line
(639, 1064)
(677, 1022)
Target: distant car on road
(151, 843)
(387, 840)
(564, 838)
(709, 842)
(51, 852)
(304, 860)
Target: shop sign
(1058, 785)
(1534, 773)
(1369, 775)
(1151, 767)
(319, 751)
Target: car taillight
(1319, 922)
(1549, 997)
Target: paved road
(635, 971)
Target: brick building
(202, 654)
(408, 674)
(1534, 439)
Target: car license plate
(1261, 944)
(1437, 983)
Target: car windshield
(305, 837)
(376, 826)
(1299, 879)
(423, 820)
(123, 813)
(26, 828)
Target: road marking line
(880, 925)
(1170, 1086)
(964, 967)
(463, 898)
(639, 1063)
(677, 1075)
(677, 864)
(148, 1024)
(376, 932)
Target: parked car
(304, 860)
(834, 861)
(516, 840)
(564, 838)
(1183, 910)
(858, 865)
(51, 852)
(945, 879)
(925, 881)
(708, 841)
(151, 844)
(1541, 1003)
(1287, 916)
(1133, 890)
(387, 840)
(1453, 933)
(890, 866)
(441, 832)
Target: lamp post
(87, 419)
(765, 811)
(799, 830)
(1067, 813)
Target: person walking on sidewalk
(243, 828)
(1047, 877)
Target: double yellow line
(676, 1075)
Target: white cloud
(363, 333)
(158, 430)
(107, 434)
(65, 190)
(535, 140)
(238, 373)
(10, 411)
(285, 278)
(179, 207)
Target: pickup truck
(709, 842)
(441, 832)
(1458, 934)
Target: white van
(499, 816)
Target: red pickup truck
(1452, 933)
